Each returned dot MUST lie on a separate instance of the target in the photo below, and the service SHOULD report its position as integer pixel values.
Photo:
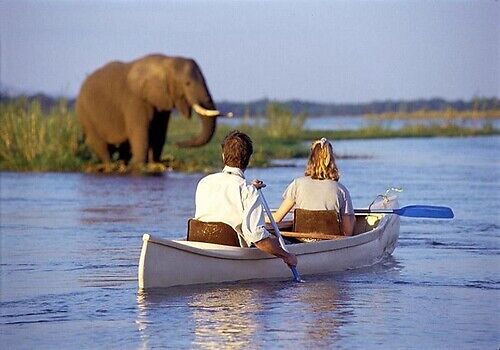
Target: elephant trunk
(208, 121)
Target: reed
(32, 140)
(282, 123)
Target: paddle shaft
(296, 275)
(415, 211)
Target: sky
(322, 51)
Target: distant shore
(312, 109)
(32, 139)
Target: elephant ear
(148, 80)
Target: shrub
(281, 123)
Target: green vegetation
(432, 130)
(451, 115)
(33, 140)
(278, 136)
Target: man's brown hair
(237, 149)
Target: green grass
(31, 140)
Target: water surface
(357, 122)
(70, 247)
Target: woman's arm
(284, 208)
(347, 223)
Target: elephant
(125, 107)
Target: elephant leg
(139, 146)
(124, 152)
(137, 131)
(158, 134)
(112, 149)
(120, 152)
(99, 146)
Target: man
(226, 197)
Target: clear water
(70, 247)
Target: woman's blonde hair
(321, 164)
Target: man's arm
(271, 245)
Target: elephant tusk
(205, 112)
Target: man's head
(237, 149)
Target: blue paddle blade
(425, 211)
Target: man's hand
(258, 184)
(272, 246)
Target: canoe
(168, 263)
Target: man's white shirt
(226, 197)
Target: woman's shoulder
(301, 181)
(310, 180)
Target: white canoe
(167, 263)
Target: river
(357, 122)
(70, 247)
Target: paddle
(296, 275)
(415, 211)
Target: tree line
(259, 107)
(353, 109)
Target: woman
(319, 189)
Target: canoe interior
(364, 223)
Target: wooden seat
(320, 221)
(212, 232)
(315, 225)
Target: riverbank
(33, 140)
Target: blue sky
(325, 51)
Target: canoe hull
(167, 263)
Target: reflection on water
(241, 316)
(255, 314)
(114, 214)
(225, 317)
(329, 310)
(215, 317)
(155, 202)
